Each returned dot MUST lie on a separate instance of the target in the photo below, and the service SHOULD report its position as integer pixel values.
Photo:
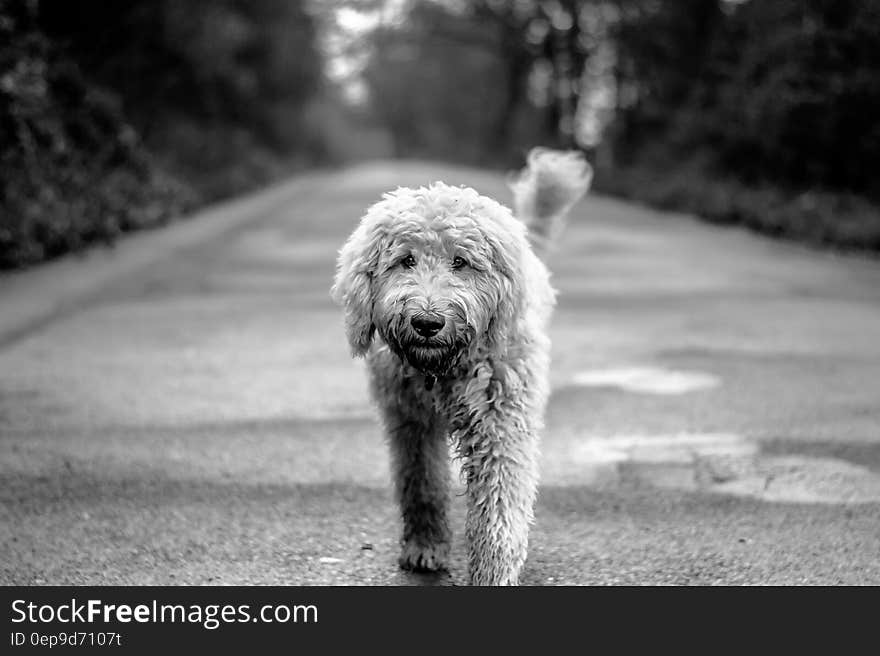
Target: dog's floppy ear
(353, 286)
(522, 281)
(506, 243)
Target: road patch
(724, 463)
(647, 380)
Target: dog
(446, 296)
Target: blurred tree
(661, 50)
(435, 82)
(783, 92)
(801, 103)
(222, 61)
(490, 77)
(104, 104)
(72, 169)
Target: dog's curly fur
(445, 294)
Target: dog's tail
(546, 189)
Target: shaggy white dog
(451, 284)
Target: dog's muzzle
(429, 343)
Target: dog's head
(431, 270)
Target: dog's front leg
(501, 488)
(498, 442)
(420, 463)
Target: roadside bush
(72, 171)
(119, 116)
(828, 218)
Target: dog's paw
(418, 557)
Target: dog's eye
(459, 262)
(409, 262)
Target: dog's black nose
(428, 325)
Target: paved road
(196, 418)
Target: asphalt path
(183, 409)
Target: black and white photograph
(436, 293)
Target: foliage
(118, 115)
(824, 218)
(73, 170)
(784, 92)
(763, 114)
(691, 97)
(453, 80)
